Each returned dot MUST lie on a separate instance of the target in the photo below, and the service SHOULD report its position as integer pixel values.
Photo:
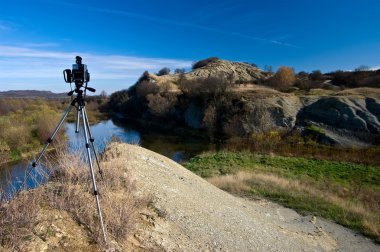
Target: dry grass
(359, 204)
(18, 217)
(71, 190)
(364, 91)
(320, 92)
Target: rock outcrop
(348, 118)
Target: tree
(284, 77)
(316, 75)
(103, 94)
(303, 75)
(362, 68)
(268, 68)
(163, 71)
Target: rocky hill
(230, 99)
(185, 213)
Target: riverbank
(346, 193)
(25, 124)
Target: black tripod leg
(50, 139)
(81, 108)
(92, 140)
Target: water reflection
(102, 133)
(21, 175)
(179, 148)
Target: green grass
(347, 193)
(343, 173)
(314, 128)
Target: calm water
(178, 148)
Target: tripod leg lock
(49, 140)
(34, 164)
(91, 140)
(96, 193)
(87, 145)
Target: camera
(79, 73)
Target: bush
(209, 119)
(316, 75)
(164, 71)
(180, 71)
(118, 100)
(283, 79)
(160, 105)
(204, 62)
(146, 87)
(209, 85)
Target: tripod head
(79, 75)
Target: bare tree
(103, 94)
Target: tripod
(79, 103)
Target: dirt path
(192, 215)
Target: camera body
(79, 73)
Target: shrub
(164, 71)
(179, 70)
(118, 100)
(146, 87)
(316, 75)
(204, 62)
(46, 122)
(160, 105)
(209, 119)
(209, 85)
(234, 126)
(284, 78)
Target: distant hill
(32, 94)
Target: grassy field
(346, 193)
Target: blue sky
(118, 40)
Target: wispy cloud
(44, 44)
(190, 25)
(176, 23)
(35, 64)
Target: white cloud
(33, 65)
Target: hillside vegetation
(232, 99)
(26, 124)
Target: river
(177, 147)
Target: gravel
(189, 214)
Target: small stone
(313, 219)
